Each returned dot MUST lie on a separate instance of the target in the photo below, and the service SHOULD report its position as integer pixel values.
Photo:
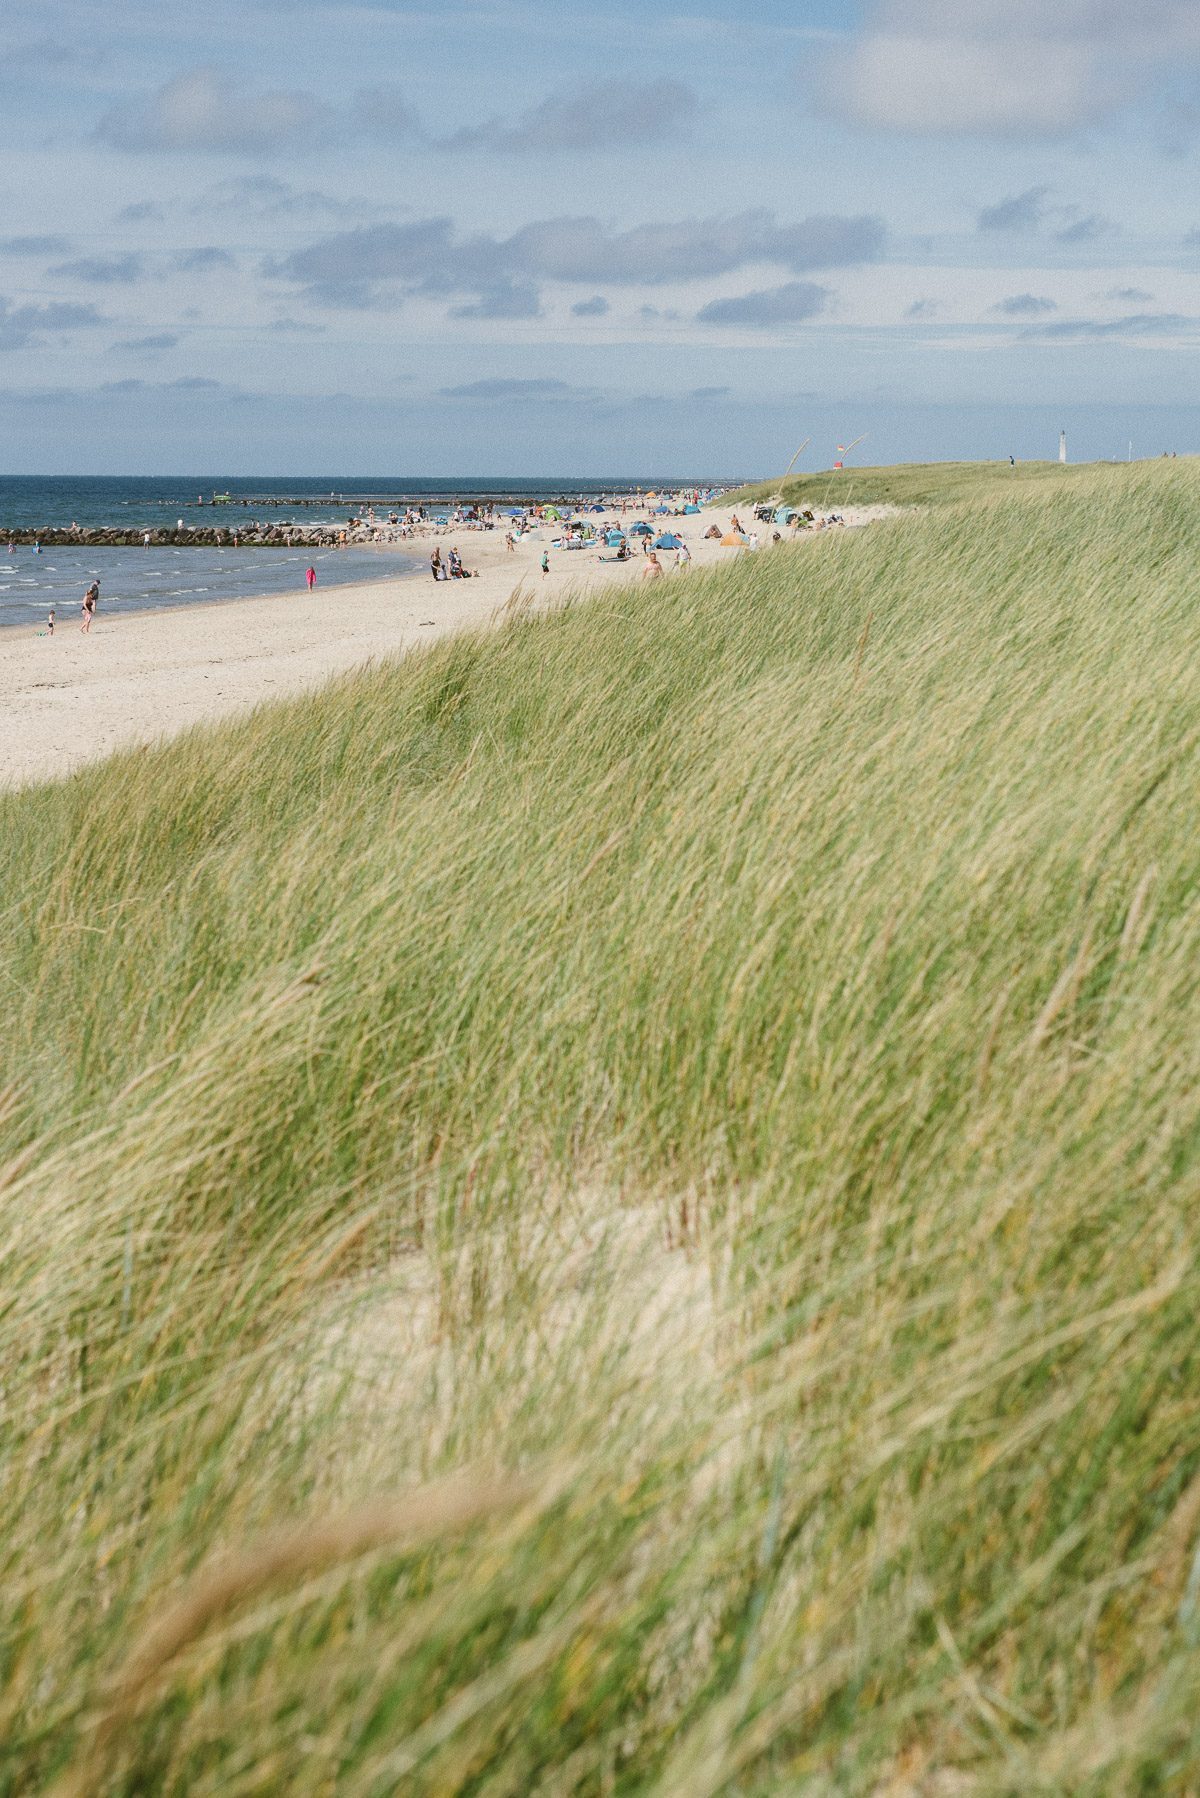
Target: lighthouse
(1062, 446)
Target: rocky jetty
(241, 536)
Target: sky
(661, 237)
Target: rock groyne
(241, 536)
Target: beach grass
(612, 1208)
(934, 484)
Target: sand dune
(69, 699)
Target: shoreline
(218, 601)
(140, 677)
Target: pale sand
(71, 699)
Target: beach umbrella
(668, 540)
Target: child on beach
(310, 575)
(50, 623)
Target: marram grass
(612, 1208)
(938, 483)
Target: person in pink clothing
(310, 575)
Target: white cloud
(1007, 67)
(204, 110)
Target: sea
(138, 580)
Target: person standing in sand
(545, 563)
(310, 575)
(50, 623)
(90, 601)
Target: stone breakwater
(242, 536)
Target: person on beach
(545, 563)
(90, 601)
(653, 568)
(435, 565)
(50, 622)
(310, 575)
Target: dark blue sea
(138, 502)
(137, 579)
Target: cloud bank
(208, 110)
(381, 265)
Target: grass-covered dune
(613, 1209)
(938, 484)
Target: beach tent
(691, 508)
(552, 512)
(668, 540)
(614, 540)
(642, 530)
(785, 514)
(734, 540)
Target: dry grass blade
(433, 1514)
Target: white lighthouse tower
(1062, 446)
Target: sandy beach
(71, 699)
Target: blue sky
(469, 236)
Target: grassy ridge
(938, 484)
(717, 1065)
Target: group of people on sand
(451, 569)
